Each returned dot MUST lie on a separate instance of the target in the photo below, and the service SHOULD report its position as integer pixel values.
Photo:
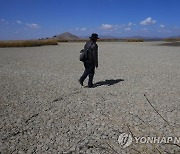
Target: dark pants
(89, 71)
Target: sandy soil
(43, 109)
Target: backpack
(84, 54)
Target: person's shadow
(107, 82)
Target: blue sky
(29, 19)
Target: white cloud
(162, 26)
(83, 29)
(19, 22)
(17, 31)
(145, 29)
(164, 31)
(130, 24)
(176, 27)
(148, 21)
(127, 29)
(3, 21)
(106, 26)
(33, 26)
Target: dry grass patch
(172, 39)
(175, 42)
(29, 43)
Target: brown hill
(66, 36)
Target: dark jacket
(92, 52)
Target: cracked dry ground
(43, 109)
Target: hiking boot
(90, 86)
(81, 82)
(90, 82)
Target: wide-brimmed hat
(94, 36)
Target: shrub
(62, 40)
(134, 40)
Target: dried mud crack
(43, 108)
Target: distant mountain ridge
(69, 36)
(177, 36)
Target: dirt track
(43, 109)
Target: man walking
(92, 60)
